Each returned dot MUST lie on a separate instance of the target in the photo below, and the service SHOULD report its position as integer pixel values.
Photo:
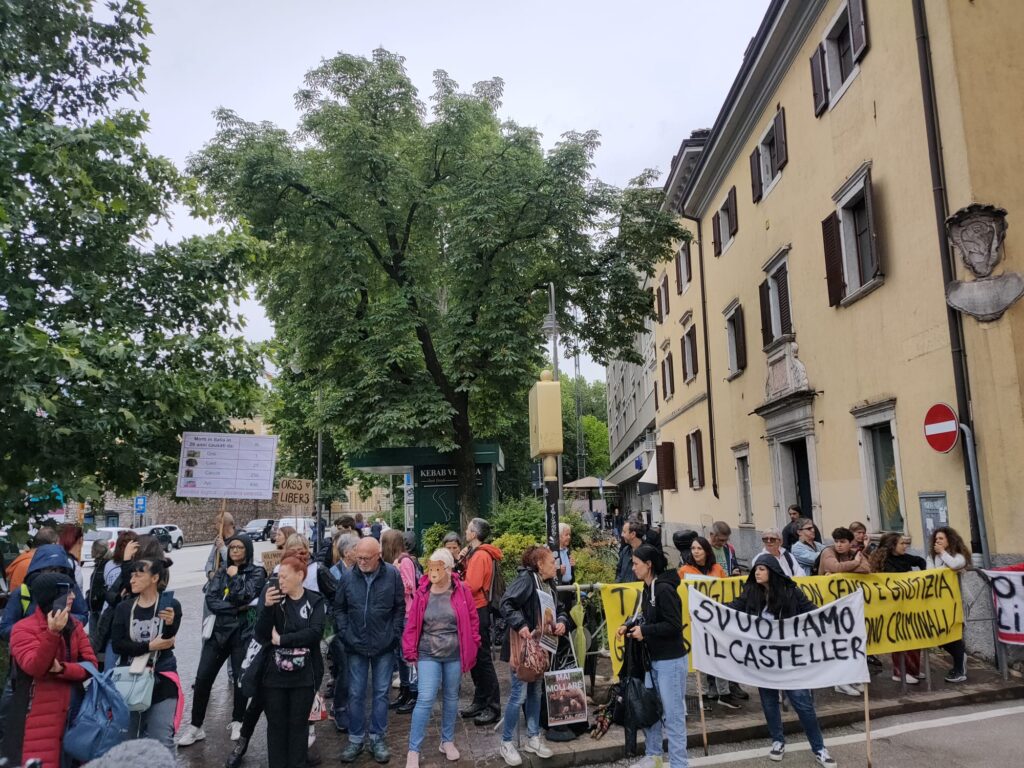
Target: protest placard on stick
(1008, 592)
(821, 648)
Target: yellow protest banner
(902, 611)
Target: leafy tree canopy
(107, 351)
(408, 249)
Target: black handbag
(642, 705)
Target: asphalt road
(961, 737)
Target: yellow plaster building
(804, 332)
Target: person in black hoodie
(291, 620)
(891, 556)
(658, 624)
(771, 594)
(520, 607)
(233, 590)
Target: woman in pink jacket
(441, 638)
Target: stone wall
(196, 517)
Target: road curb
(586, 751)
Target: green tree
(407, 253)
(595, 434)
(107, 351)
(594, 403)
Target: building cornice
(769, 56)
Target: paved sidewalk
(479, 746)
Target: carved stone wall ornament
(977, 233)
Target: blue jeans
(669, 677)
(530, 693)
(341, 683)
(433, 675)
(804, 706)
(375, 671)
(403, 672)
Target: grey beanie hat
(147, 752)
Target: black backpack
(497, 589)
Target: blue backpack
(102, 721)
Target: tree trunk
(464, 461)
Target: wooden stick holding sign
(867, 724)
(219, 533)
(700, 706)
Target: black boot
(235, 758)
(403, 696)
(408, 705)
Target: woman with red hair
(71, 537)
(291, 620)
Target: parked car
(259, 529)
(176, 534)
(302, 525)
(110, 534)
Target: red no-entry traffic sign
(941, 428)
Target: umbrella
(589, 483)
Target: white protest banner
(821, 648)
(216, 465)
(1008, 592)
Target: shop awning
(649, 480)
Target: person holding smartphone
(291, 621)
(146, 625)
(47, 650)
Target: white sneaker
(510, 754)
(311, 738)
(849, 690)
(825, 759)
(649, 761)
(538, 747)
(236, 730)
(190, 735)
(777, 751)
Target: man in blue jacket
(49, 558)
(369, 616)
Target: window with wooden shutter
(858, 29)
(716, 236)
(679, 270)
(692, 335)
(740, 331)
(665, 457)
(690, 461)
(731, 205)
(755, 174)
(781, 152)
(766, 314)
(687, 262)
(657, 304)
(850, 241)
(830, 236)
(655, 396)
(671, 375)
(781, 280)
(819, 80)
(698, 450)
(664, 293)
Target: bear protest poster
(567, 697)
(820, 648)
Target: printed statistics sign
(902, 611)
(824, 647)
(1008, 592)
(216, 465)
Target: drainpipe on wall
(941, 205)
(707, 358)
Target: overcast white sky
(643, 73)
